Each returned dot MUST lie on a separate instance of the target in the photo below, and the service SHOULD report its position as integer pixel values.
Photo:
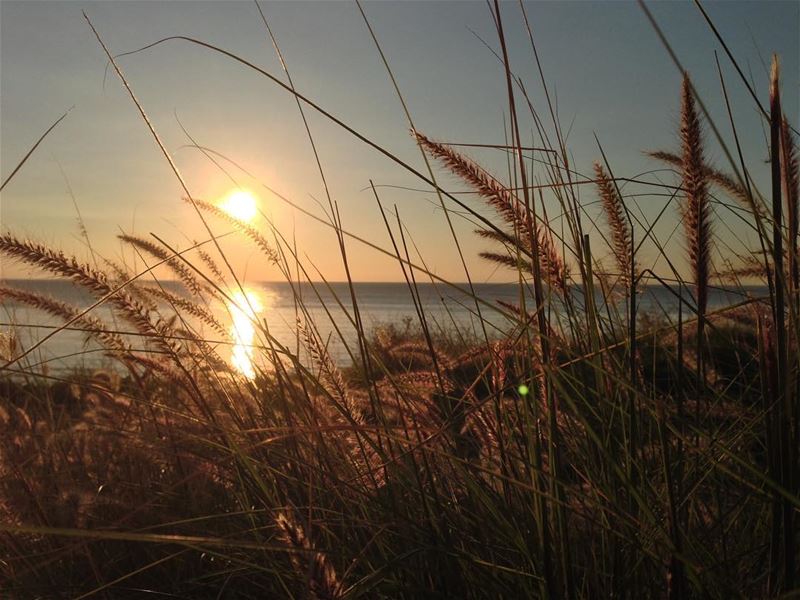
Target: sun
(241, 205)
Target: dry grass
(579, 452)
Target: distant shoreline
(466, 284)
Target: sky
(605, 66)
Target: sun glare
(244, 309)
(241, 205)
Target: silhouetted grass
(587, 449)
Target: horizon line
(405, 284)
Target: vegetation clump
(589, 449)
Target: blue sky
(607, 69)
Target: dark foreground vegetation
(589, 451)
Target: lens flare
(244, 308)
(241, 205)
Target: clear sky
(610, 74)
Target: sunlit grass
(583, 449)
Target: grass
(588, 450)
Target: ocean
(329, 306)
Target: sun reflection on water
(244, 308)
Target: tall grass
(586, 450)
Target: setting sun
(240, 204)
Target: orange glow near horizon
(244, 310)
(241, 205)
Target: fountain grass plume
(508, 207)
(93, 326)
(790, 176)
(243, 227)
(614, 209)
(211, 264)
(174, 263)
(323, 582)
(188, 306)
(95, 281)
(719, 178)
(509, 260)
(696, 208)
